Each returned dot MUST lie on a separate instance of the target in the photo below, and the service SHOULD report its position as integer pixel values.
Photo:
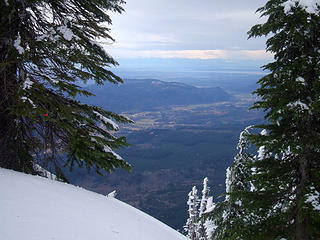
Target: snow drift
(36, 208)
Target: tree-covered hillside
(139, 95)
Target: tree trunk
(8, 89)
(301, 221)
(10, 143)
(8, 130)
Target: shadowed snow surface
(36, 208)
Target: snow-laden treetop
(311, 6)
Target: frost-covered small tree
(204, 197)
(201, 228)
(198, 226)
(47, 48)
(191, 224)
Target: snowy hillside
(34, 208)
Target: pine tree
(285, 201)
(198, 226)
(204, 197)
(191, 224)
(47, 49)
(201, 229)
(229, 216)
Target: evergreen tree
(284, 202)
(198, 226)
(229, 216)
(201, 229)
(191, 224)
(47, 48)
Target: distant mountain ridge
(150, 94)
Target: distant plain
(182, 133)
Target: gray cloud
(173, 25)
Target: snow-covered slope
(33, 208)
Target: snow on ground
(36, 208)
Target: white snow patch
(127, 118)
(314, 199)
(108, 150)
(261, 153)
(228, 181)
(67, 33)
(252, 187)
(27, 84)
(264, 132)
(41, 37)
(113, 194)
(225, 215)
(37, 208)
(301, 80)
(310, 6)
(210, 205)
(54, 81)
(299, 104)
(204, 198)
(107, 121)
(239, 203)
(288, 5)
(51, 34)
(45, 173)
(29, 100)
(17, 44)
(210, 228)
(6, 3)
(243, 139)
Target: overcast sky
(205, 29)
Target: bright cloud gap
(194, 54)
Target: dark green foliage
(47, 48)
(229, 214)
(284, 199)
(290, 97)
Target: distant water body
(229, 72)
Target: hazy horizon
(187, 30)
